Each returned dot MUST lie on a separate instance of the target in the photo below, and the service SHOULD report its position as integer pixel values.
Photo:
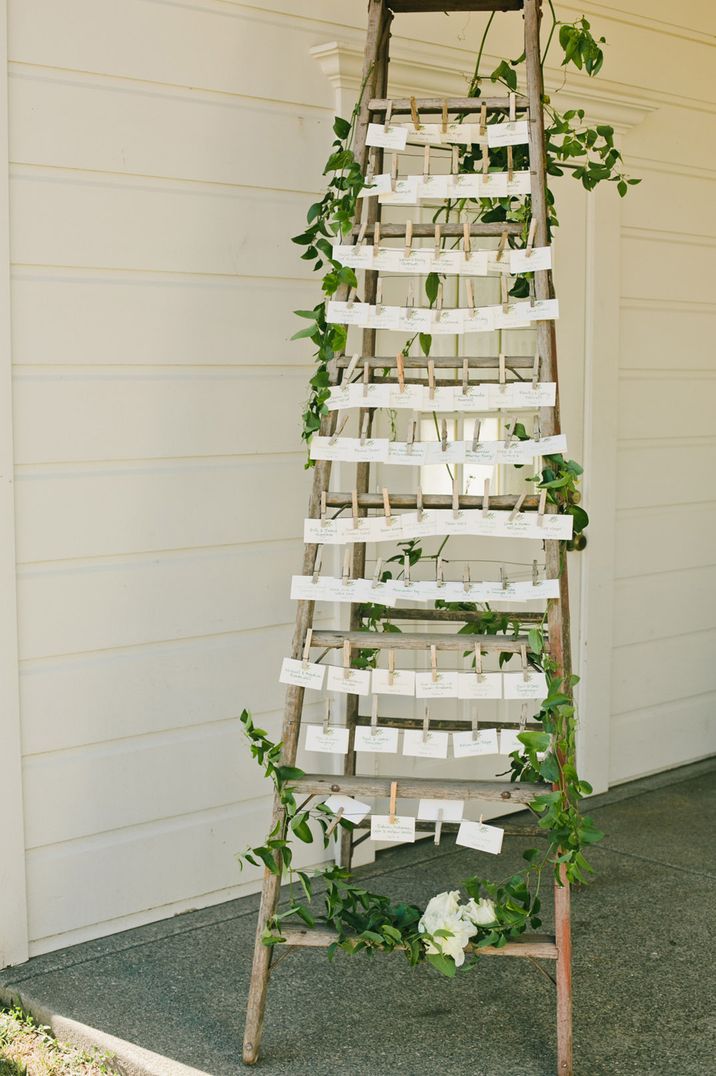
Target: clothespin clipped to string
(351, 297)
(529, 246)
(374, 716)
(426, 724)
(364, 430)
(307, 647)
(315, 575)
(444, 127)
(431, 363)
(426, 163)
(531, 286)
(501, 246)
(419, 502)
(455, 498)
(510, 161)
(379, 294)
(438, 826)
(393, 799)
(438, 241)
(523, 659)
(486, 498)
(434, 664)
(415, 114)
(483, 120)
(376, 238)
(485, 162)
(386, 507)
(324, 505)
(518, 505)
(391, 667)
(465, 377)
(388, 114)
(393, 171)
(542, 507)
(535, 370)
(360, 238)
(510, 431)
(478, 663)
(408, 237)
(474, 724)
(335, 822)
(466, 583)
(455, 160)
(444, 435)
(523, 717)
(535, 573)
(439, 572)
(504, 294)
(466, 244)
(469, 293)
(346, 659)
(536, 429)
(502, 372)
(327, 716)
(504, 580)
(354, 507)
(366, 378)
(351, 368)
(377, 573)
(412, 430)
(347, 564)
(406, 568)
(400, 370)
(476, 435)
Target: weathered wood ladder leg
(376, 45)
(558, 608)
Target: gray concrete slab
(642, 935)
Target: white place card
(447, 321)
(409, 398)
(447, 810)
(463, 134)
(520, 394)
(434, 187)
(378, 740)
(321, 532)
(464, 185)
(402, 682)
(390, 136)
(386, 528)
(353, 810)
(408, 455)
(416, 319)
(539, 310)
(415, 526)
(453, 452)
(475, 399)
(440, 399)
(529, 685)
(493, 185)
(378, 185)
(472, 686)
(418, 745)
(383, 317)
(404, 192)
(308, 674)
(513, 133)
(448, 261)
(394, 260)
(509, 741)
(511, 318)
(480, 836)
(519, 184)
(334, 741)
(355, 256)
(345, 313)
(482, 742)
(427, 134)
(475, 263)
(443, 687)
(348, 681)
(401, 828)
(555, 525)
(549, 446)
(372, 449)
(501, 264)
(329, 588)
(484, 454)
(479, 320)
(358, 394)
(523, 262)
(517, 451)
(408, 591)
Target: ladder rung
(415, 788)
(457, 615)
(432, 105)
(430, 500)
(452, 827)
(451, 231)
(416, 7)
(445, 725)
(534, 946)
(328, 639)
(442, 362)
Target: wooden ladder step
(461, 616)
(445, 725)
(536, 946)
(415, 788)
(450, 231)
(442, 362)
(430, 500)
(417, 7)
(330, 639)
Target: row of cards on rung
(411, 190)
(379, 739)
(420, 453)
(435, 684)
(423, 260)
(398, 135)
(447, 321)
(431, 522)
(334, 589)
(488, 396)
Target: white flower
(482, 913)
(444, 912)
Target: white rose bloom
(482, 913)
(444, 913)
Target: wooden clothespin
(400, 370)
(509, 431)
(351, 297)
(374, 715)
(529, 247)
(485, 162)
(393, 798)
(335, 822)
(510, 161)
(542, 507)
(415, 114)
(347, 563)
(391, 667)
(486, 497)
(439, 572)
(455, 160)
(324, 505)
(455, 498)
(378, 571)
(360, 238)
(531, 286)
(438, 826)
(379, 294)
(466, 244)
(501, 247)
(502, 371)
(354, 507)
(431, 377)
(327, 715)
(518, 505)
(434, 664)
(388, 114)
(438, 241)
(408, 237)
(386, 507)
(475, 726)
(478, 662)
(307, 647)
(412, 430)
(536, 429)
(426, 163)
(376, 238)
(505, 298)
(535, 573)
(364, 430)
(315, 575)
(465, 377)
(483, 119)
(469, 293)
(393, 170)
(466, 583)
(346, 659)
(476, 435)
(419, 502)
(366, 378)
(523, 717)
(444, 435)
(523, 659)
(535, 370)
(406, 568)
(444, 128)
(426, 724)
(351, 367)
(503, 578)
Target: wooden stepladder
(376, 107)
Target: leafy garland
(361, 920)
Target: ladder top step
(452, 231)
(405, 7)
(401, 105)
(430, 500)
(536, 946)
(329, 638)
(415, 788)
(442, 362)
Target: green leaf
(535, 640)
(341, 127)
(426, 342)
(535, 741)
(432, 284)
(444, 964)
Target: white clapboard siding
(691, 534)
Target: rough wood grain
(422, 640)
(413, 788)
(536, 946)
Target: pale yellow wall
(161, 156)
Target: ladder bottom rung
(415, 788)
(540, 946)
